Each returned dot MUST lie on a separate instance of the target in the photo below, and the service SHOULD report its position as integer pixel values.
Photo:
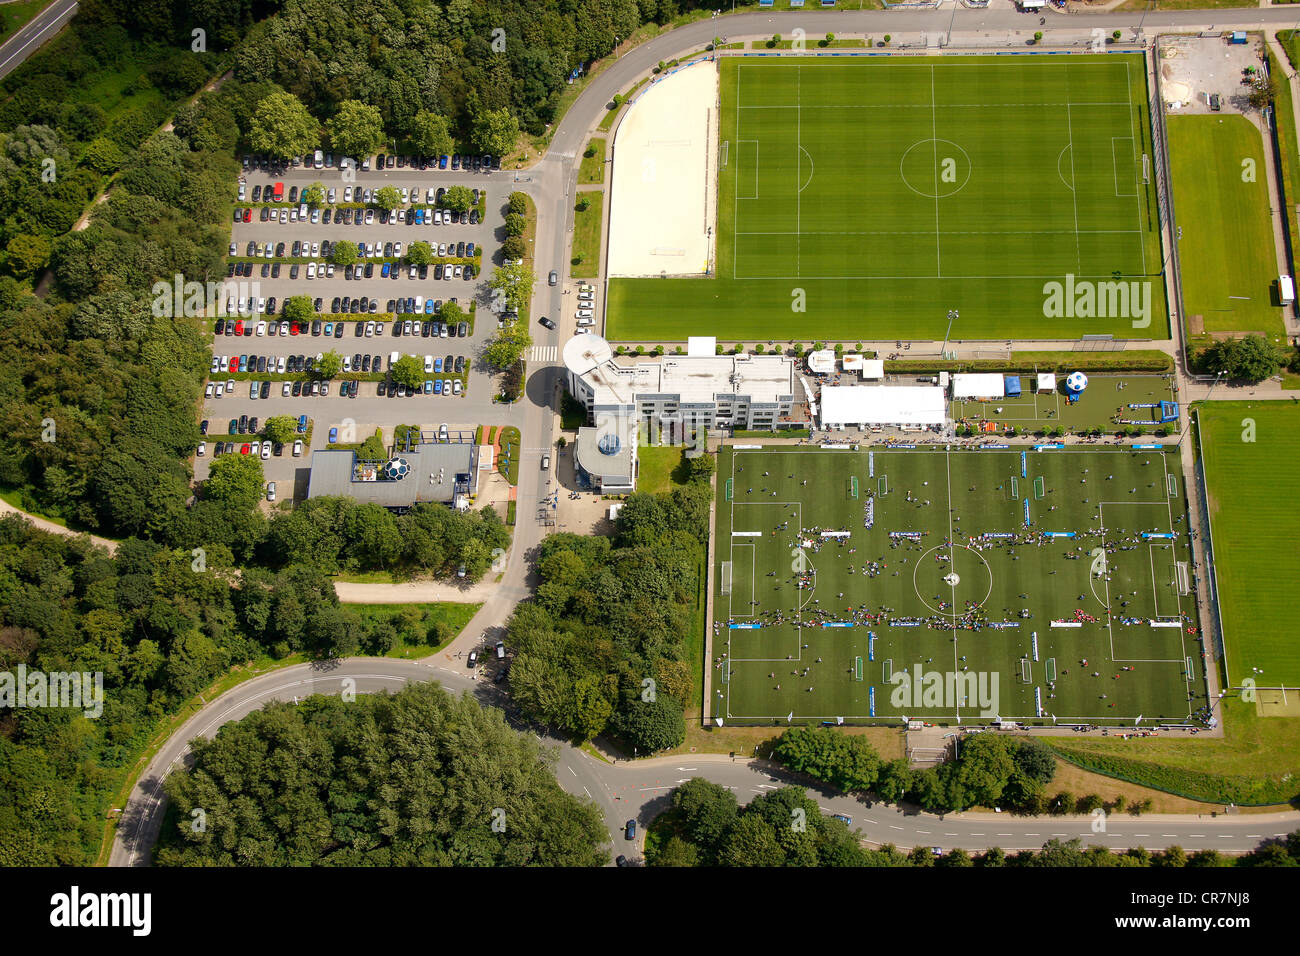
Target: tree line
(706, 826)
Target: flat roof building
(436, 473)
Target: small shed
(1046, 382)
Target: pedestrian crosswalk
(544, 353)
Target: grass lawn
(897, 597)
(592, 169)
(454, 615)
(586, 236)
(659, 468)
(1229, 268)
(1257, 761)
(970, 182)
(1253, 486)
(1285, 114)
(508, 457)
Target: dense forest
(417, 778)
(160, 632)
(601, 647)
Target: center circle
(935, 168)
(935, 572)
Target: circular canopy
(609, 444)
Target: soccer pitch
(1250, 453)
(864, 198)
(908, 581)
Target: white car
(315, 248)
(286, 390)
(406, 194)
(455, 387)
(347, 193)
(586, 314)
(284, 328)
(230, 305)
(331, 195)
(270, 489)
(370, 217)
(458, 271)
(207, 390)
(255, 448)
(284, 215)
(428, 364)
(297, 448)
(253, 389)
(397, 250)
(329, 271)
(315, 215)
(311, 270)
(261, 328)
(347, 363)
(429, 194)
(442, 249)
(370, 329)
(586, 296)
(437, 217)
(279, 364)
(293, 215)
(220, 390)
(230, 386)
(202, 449)
(266, 450)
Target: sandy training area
(664, 188)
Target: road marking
(571, 770)
(543, 353)
(643, 789)
(893, 826)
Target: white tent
(1046, 382)
(978, 385)
(883, 405)
(697, 345)
(873, 369)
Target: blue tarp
(1013, 386)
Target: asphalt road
(29, 39)
(639, 789)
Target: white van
(586, 313)
(586, 322)
(419, 304)
(303, 211)
(393, 357)
(319, 160)
(1286, 289)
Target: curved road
(637, 789)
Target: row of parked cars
(323, 159)
(410, 216)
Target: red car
(279, 192)
(234, 363)
(239, 327)
(245, 449)
(248, 215)
(294, 328)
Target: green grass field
(1253, 487)
(812, 655)
(1106, 399)
(889, 191)
(1229, 268)
(586, 235)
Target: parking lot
(469, 390)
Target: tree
(430, 135)
(236, 480)
(357, 129)
(419, 253)
(514, 284)
(280, 428)
(458, 198)
(494, 131)
(299, 308)
(408, 370)
(509, 345)
(707, 811)
(25, 254)
(330, 364)
(387, 197)
(676, 852)
(103, 155)
(313, 195)
(513, 248)
(518, 203)
(515, 224)
(282, 127)
(653, 725)
(701, 467)
(451, 313)
(1249, 359)
(847, 763)
(344, 253)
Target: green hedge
(1143, 361)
